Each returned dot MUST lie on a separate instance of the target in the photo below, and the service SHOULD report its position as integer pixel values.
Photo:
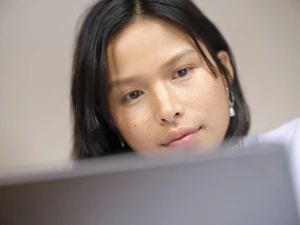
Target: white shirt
(288, 135)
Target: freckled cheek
(127, 122)
(200, 94)
(136, 128)
(206, 95)
(218, 111)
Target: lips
(180, 137)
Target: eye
(133, 95)
(183, 72)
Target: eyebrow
(178, 56)
(170, 62)
(122, 82)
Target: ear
(225, 60)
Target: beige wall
(36, 38)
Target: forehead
(145, 43)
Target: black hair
(94, 131)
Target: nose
(168, 107)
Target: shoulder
(287, 134)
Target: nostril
(170, 117)
(177, 114)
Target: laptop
(248, 186)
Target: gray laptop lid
(249, 186)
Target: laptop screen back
(243, 189)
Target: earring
(230, 97)
(121, 141)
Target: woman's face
(162, 95)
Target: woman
(150, 76)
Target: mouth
(180, 137)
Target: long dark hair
(94, 132)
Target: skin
(160, 85)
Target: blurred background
(36, 45)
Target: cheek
(136, 128)
(217, 109)
(205, 92)
(208, 99)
